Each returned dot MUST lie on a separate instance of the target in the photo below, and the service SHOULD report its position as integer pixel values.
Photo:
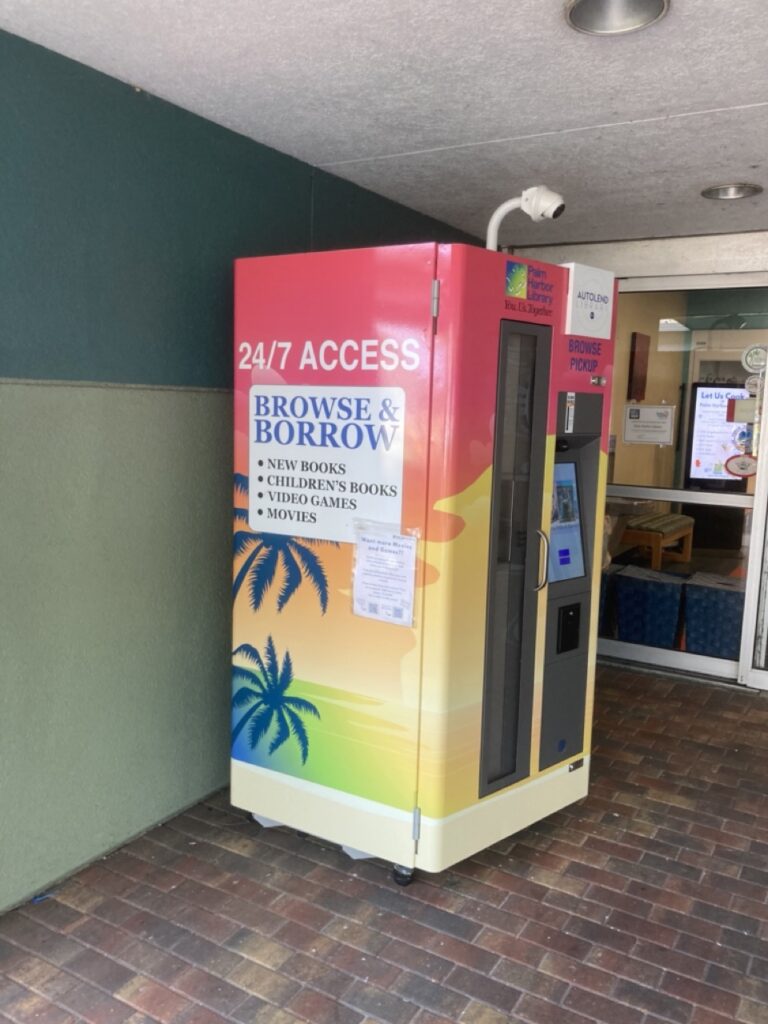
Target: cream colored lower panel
(365, 825)
(447, 841)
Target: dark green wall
(121, 215)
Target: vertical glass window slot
(512, 552)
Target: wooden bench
(658, 532)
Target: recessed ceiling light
(739, 191)
(614, 17)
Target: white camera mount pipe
(498, 215)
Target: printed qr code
(397, 613)
(373, 608)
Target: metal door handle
(543, 577)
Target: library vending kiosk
(420, 461)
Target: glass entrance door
(683, 559)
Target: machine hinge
(416, 831)
(435, 297)
(576, 764)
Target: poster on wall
(713, 439)
(649, 424)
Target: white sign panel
(321, 457)
(649, 424)
(384, 579)
(589, 311)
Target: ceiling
(453, 107)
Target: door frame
(754, 634)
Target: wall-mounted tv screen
(566, 549)
(712, 440)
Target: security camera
(541, 203)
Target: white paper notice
(384, 578)
(321, 457)
(649, 424)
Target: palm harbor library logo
(517, 280)
(527, 289)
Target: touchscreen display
(566, 551)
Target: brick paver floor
(647, 902)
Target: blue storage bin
(714, 607)
(648, 605)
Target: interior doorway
(684, 577)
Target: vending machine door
(333, 373)
(517, 554)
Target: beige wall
(644, 464)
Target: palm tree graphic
(265, 552)
(265, 690)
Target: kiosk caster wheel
(401, 875)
